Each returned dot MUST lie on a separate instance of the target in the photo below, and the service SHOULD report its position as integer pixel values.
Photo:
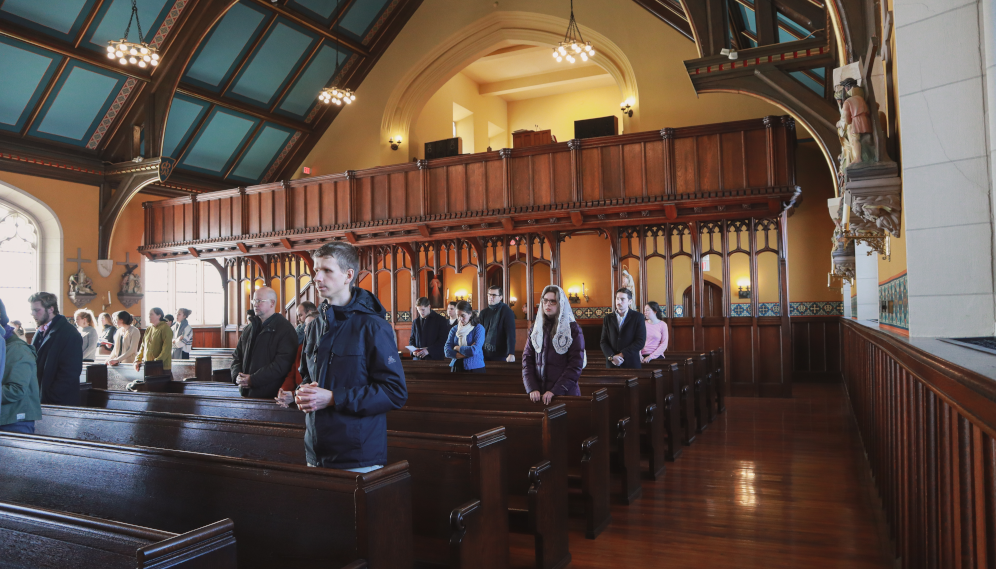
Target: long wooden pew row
(536, 470)
(588, 436)
(43, 538)
(459, 501)
(623, 408)
(203, 368)
(702, 385)
(284, 515)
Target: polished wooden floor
(772, 483)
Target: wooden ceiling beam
(20, 33)
(249, 53)
(86, 23)
(669, 14)
(205, 95)
(312, 26)
(242, 151)
(297, 74)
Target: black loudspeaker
(590, 128)
(443, 148)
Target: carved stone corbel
(875, 197)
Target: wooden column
(243, 213)
(767, 25)
(783, 298)
(423, 170)
(506, 176)
(755, 331)
(195, 217)
(394, 284)
(528, 306)
(670, 175)
(698, 333)
(644, 296)
(769, 136)
(353, 201)
(577, 193)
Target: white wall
(944, 55)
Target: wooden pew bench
(203, 368)
(206, 405)
(459, 502)
(43, 538)
(284, 515)
(623, 408)
(536, 469)
(588, 436)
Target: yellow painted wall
(436, 120)
(558, 112)
(656, 53)
(77, 207)
(585, 259)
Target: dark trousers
(24, 427)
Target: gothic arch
(476, 40)
(50, 237)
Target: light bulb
(141, 64)
(110, 49)
(123, 61)
(574, 46)
(155, 62)
(570, 59)
(584, 56)
(399, 140)
(559, 59)
(144, 50)
(110, 56)
(348, 100)
(118, 54)
(132, 60)
(122, 46)
(133, 51)
(155, 56)
(554, 53)
(562, 50)
(353, 97)
(592, 53)
(146, 59)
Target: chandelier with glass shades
(129, 53)
(573, 44)
(334, 95)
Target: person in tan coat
(126, 340)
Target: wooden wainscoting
(816, 342)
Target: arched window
(19, 259)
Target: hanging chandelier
(573, 44)
(129, 53)
(334, 95)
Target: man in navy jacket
(351, 369)
(60, 352)
(429, 332)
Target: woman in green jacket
(157, 343)
(20, 406)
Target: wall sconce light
(743, 288)
(461, 294)
(511, 301)
(574, 295)
(627, 106)
(394, 142)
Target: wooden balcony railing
(667, 173)
(928, 428)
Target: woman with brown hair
(84, 323)
(105, 341)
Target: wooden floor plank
(773, 483)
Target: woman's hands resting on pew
(535, 397)
(284, 398)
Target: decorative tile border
(40, 162)
(380, 21)
(112, 112)
(171, 18)
(755, 61)
(283, 154)
(826, 308)
(894, 291)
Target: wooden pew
(623, 408)
(588, 435)
(702, 382)
(203, 368)
(284, 515)
(39, 537)
(459, 500)
(228, 407)
(536, 470)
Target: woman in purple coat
(554, 354)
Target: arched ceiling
(234, 102)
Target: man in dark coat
(429, 332)
(350, 367)
(60, 352)
(499, 328)
(624, 333)
(266, 351)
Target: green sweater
(157, 345)
(21, 398)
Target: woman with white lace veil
(554, 354)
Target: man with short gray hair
(267, 349)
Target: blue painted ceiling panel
(304, 94)
(218, 141)
(183, 115)
(275, 60)
(750, 21)
(784, 36)
(113, 17)
(262, 151)
(320, 9)
(361, 15)
(808, 82)
(25, 71)
(64, 17)
(225, 47)
(79, 102)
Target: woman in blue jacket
(465, 344)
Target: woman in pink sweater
(656, 332)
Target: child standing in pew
(465, 343)
(554, 354)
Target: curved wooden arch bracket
(132, 177)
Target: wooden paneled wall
(816, 346)
(928, 428)
(639, 166)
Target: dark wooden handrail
(928, 428)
